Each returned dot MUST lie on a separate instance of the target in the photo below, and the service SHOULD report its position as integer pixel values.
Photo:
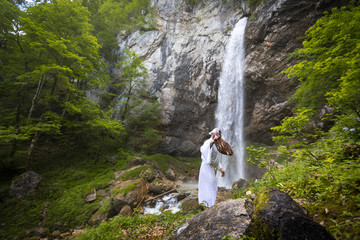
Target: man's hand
(222, 172)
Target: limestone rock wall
(184, 57)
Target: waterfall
(230, 108)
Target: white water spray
(230, 109)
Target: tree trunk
(17, 126)
(54, 85)
(126, 103)
(29, 163)
(38, 91)
(32, 146)
(100, 146)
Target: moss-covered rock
(191, 205)
(159, 186)
(130, 194)
(278, 216)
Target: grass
(137, 172)
(126, 189)
(60, 196)
(136, 227)
(182, 167)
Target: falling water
(230, 109)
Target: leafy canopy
(329, 70)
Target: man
(207, 188)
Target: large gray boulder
(278, 216)
(229, 218)
(23, 184)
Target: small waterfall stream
(230, 109)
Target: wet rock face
(184, 57)
(278, 216)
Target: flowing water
(230, 109)
(168, 202)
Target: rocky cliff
(184, 59)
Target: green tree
(57, 60)
(137, 109)
(329, 68)
(294, 132)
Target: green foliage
(110, 17)
(122, 227)
(254, 3)
(126, 189)
(323, 167)
(293, 128)
(139, 112)
(61, 195)
(136, 173)
(51, 65)
(329, 66)
(19, 216)
(258, 156)
(70, 208)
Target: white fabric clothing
(207, 187)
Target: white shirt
(209, 154)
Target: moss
(228, 29)
(258, 228)
(126, 189)
(162, 161)
(106, 206)
(182, 166)
(18, 216)
(253, 4)
(261, 201)
(136, 173)
(137, 227)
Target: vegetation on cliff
(321, 166)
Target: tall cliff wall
(184, 58)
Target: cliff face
(184, 56)
(274, 32)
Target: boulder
(23, 184)
(191, 205)
(170, 174)
(91, 197)
(55, 234)
(160, 186)
(98, 218)
(278, 216)
(149, 174)
(131, 198)
(126, 211)
(229, 218)
(240, 184)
